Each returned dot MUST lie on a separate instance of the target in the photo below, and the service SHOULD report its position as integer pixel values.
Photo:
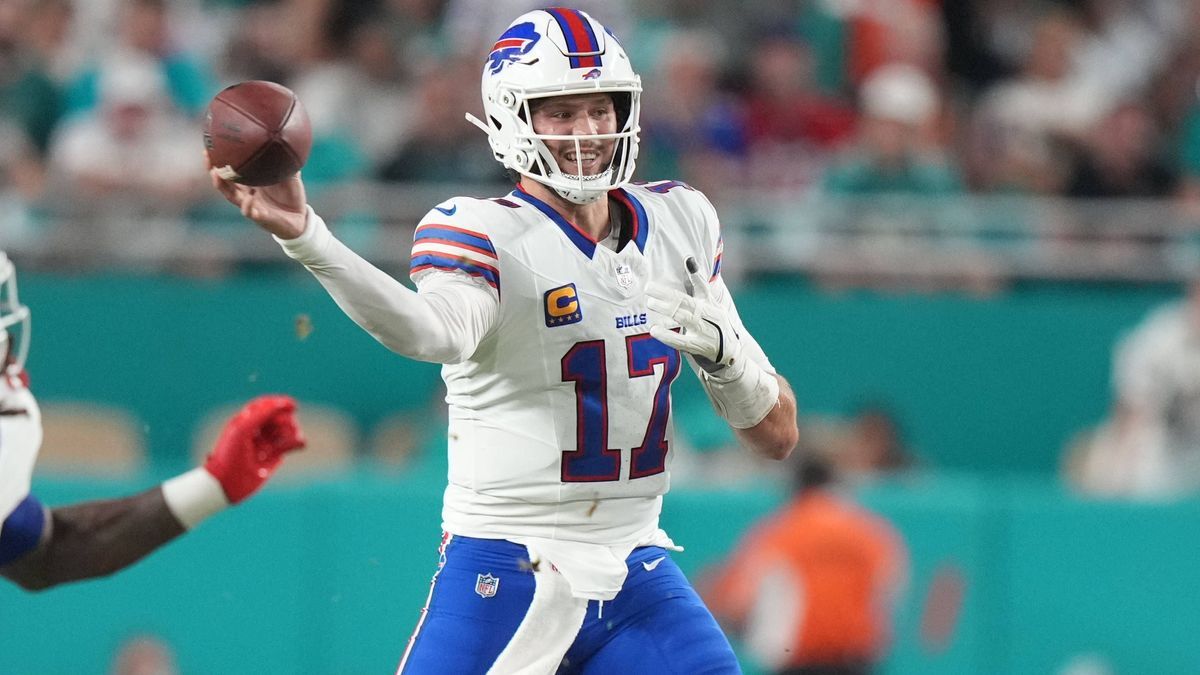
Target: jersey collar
(581, 239)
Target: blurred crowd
(100, 100)
(101, 103)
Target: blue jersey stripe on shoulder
(489, 274)
(21, 532)
(456, 234)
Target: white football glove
(706, 329)
(741, 391)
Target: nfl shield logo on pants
(486, 585)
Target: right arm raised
(442, 323)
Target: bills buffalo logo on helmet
(512, 45)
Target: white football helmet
(557, 52)
(14, 321)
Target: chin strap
(578, 199)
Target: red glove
(252, 445)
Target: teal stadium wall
(327, 577)
(997, 384)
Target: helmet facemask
(573, 185)
(14, 322)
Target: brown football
(257, 133)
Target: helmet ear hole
(622, 105)
(495, 123)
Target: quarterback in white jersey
(41, 548)
(562, 312)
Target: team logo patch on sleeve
(562, 306)
(486, 585)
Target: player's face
(578, 115)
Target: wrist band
(746, 399)
(194, 496)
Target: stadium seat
(331, 433)
(90, 438)
(826, 435)
(397, 438)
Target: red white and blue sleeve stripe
(716, 271)
(446, 247)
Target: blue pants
(483, 587)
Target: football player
(41, 548)
(562, 312)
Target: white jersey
(560, 423)
(20, 440)
(1157, 369)
(1156, 375)
(560, 426)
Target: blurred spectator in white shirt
(135, 141)
(145, 29)
(133, 165)
(1021, 123)
(1151, 447)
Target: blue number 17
(592, 460)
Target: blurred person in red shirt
(784, 103)
(881, 32)
(792, 128)
(810, 589)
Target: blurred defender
(40, 548)
(562, 312)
